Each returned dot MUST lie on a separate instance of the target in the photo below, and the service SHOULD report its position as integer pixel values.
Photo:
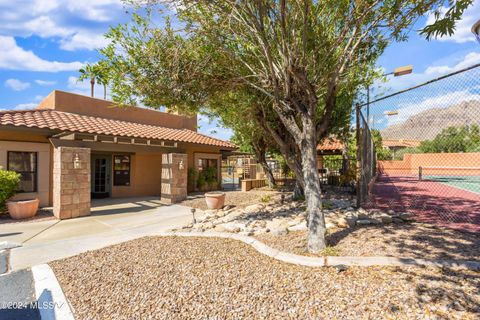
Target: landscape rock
(254, 208)
(407, 216)
(302, 226)
(279, 231)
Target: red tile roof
(71, 122)
(330, 144)
(406, 143)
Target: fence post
(420, 173)
(359, 161)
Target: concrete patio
(112, 221)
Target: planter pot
(215, 200)
(23, 209)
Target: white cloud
(13, 57)
(45, 82)
(16, 84)
(399, 83)
(469, 60)
(25, 106)
(70, 22)
(85, 40)
(406, 110)
(463, 31)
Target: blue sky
(44, 42)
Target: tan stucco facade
(43, 167)
(145, 176)
(57, 150)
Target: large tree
(303, 58)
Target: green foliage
(266, 198)
(191, 176)
(349, 177)
(444, 24)
(453, 139)
(207, 179)
(399, 154)
(9, 181)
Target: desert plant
(9, 181)
(191, 176)
(266, 198)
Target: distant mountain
(427, 124)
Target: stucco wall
(43, 167)
(411, 163)
(145, 176)
(70, 102)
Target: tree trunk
(104, 92)
(298, 191)
(260, 150)
(92, 85)
(316, 221)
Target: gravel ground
(411, 240)
(209, 278)
(237, 199)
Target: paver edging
(331, 261)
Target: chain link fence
(366, 156)
(427, 150)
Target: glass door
(101, 172)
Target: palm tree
(89, 72)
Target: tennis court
(445, 200)
(463, 178)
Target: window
(207, 163)
(121, 170)
(24, 163)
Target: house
(398, 144)
(73, 148)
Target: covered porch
(89, 167)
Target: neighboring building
(399, 144)
(72, 148)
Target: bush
(266, 198)
(9, 181)
(207, 179)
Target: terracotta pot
(215, 200)
(23, 209)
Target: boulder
(330, 225)
(234, 215)
(221, 213)
(302, 226)
(385, 219)
(346, 222)
(220, 228)
(208, 225)
(254, 208)
(407, 216)
(279, 231)
(364, 222)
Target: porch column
(71, 182)
(174, 177)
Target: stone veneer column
(71, 186)
(174, 177)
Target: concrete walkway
(111, 222)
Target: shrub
(191, 175)
(207, 179)
(266, 198)
(9, 181)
